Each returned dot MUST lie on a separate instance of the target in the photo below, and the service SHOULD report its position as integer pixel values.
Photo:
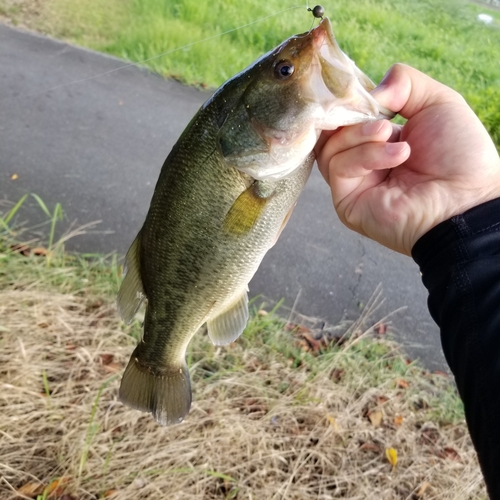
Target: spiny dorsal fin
(230, 323)
(131, 294)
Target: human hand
(394, 183)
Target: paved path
(97, 147)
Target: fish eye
(283, 70)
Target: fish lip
(327, 43)
(330, 51)
(385, 113)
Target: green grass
(441, 38)
(34, 262)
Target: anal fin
(230, 323)
(131, 294)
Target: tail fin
(167, 396)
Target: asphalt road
(97, 146)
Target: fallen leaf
(402, 384)
(40, 251)
(448, 452)
(398, 420)
(14, 177)
(21, 248)
(451, 453)
(392, 456)
(370, 446)
(375, 418)
(425, 486)
(106, 359)
(313, 343)
(56, 487)
(31, 489)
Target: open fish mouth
(343, 82)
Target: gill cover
(307, 84)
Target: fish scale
(224, 194)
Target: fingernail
(395, 148)
(372, 128)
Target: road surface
(96, 146)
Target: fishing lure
(317, 11)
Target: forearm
(460, 264)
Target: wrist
(434, 245)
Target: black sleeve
(460, 264)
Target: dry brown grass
(269, 420)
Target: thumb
(407, 91)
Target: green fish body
(223, 196)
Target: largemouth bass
(224, 194)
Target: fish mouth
(345, 83)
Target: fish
(223, 196)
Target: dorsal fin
(131, 294)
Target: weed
(54, 216)
(92, 428)
(7, 218)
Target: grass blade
(8, 217)
(42, 205)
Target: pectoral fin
(284, 223)
(230, 323)
(247, 208)
(131, 294)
